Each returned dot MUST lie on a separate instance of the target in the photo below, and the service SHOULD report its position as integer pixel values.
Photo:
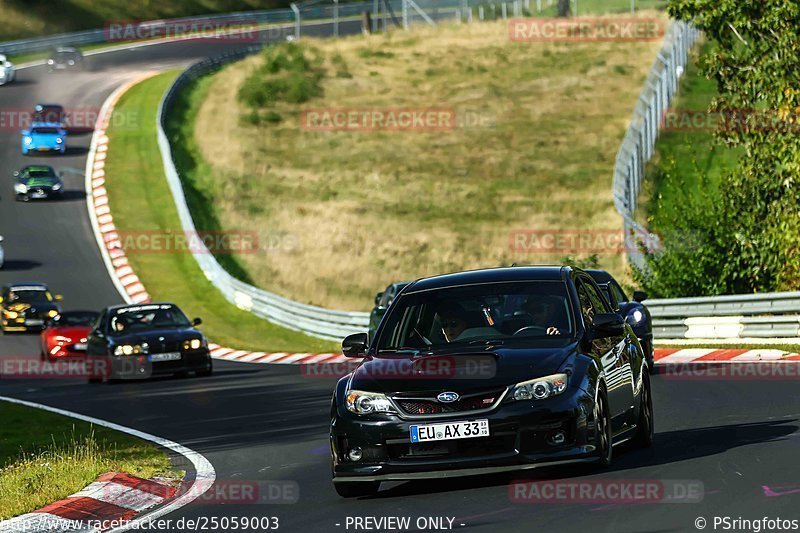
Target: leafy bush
(289, 73)
(750, 240)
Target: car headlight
(10, 314)
(365, 403)
(21, 188)
(52, 313)
(193, 344)
(540, 388)
(130, 349)
(637, 316)
(63, 339)
(27, 140)
(59, 140)
(57, 187)
(50, 61)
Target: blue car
(44, 137)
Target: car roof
(492, 275)
(38, 168)
(600, 276)
(66, 49)
(55, 125)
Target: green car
(37, 182)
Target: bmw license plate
(171, 356)
(34, 322)
(450, 431)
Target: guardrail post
(336, 18)
(296, 11)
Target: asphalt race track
(259, 423)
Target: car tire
(603, 435)
(645, 427)
(209, 370)
(356, 489)
(22, 198)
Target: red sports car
(66, 336)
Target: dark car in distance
(36, 182)
(489, 371)
(635, 312)
(140, 341)
(382, 301)
(65, 57)
(27, 307)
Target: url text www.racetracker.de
(754, 525)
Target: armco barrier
(768, 315)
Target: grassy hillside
(537, 127)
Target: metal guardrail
(768, 315)
(638, 145)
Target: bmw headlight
(10, 314)
(540, 388)
(27, 140)
(130, 349)
(21, 188)
(57, 186)
(193, 344)
(52, 313)
(365, 403)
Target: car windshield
(41, 130)
(40, 175)
(148, 317)
(48, 114)
(75, 318)
(29, 296)
(478, 313)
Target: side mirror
(197, 321)
(1, 238)
(608, 325)
(639, 296)
(58, 297)
(355, 345)
(16, 172)
(378, 297)
(97, 333)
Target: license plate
(450, 431)
(43, 149)
(37, 195)
(34, 322)
(172, 356)
(81, 347)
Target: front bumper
(520, 437)
(18, 324)
(140, 366)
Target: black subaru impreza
(489, 371)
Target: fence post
(296, 20)
(335, 18)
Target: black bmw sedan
(140, 341)
(489, 371)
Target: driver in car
(543, 311)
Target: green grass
(45, 457)
(688, 164)
(140, 200)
